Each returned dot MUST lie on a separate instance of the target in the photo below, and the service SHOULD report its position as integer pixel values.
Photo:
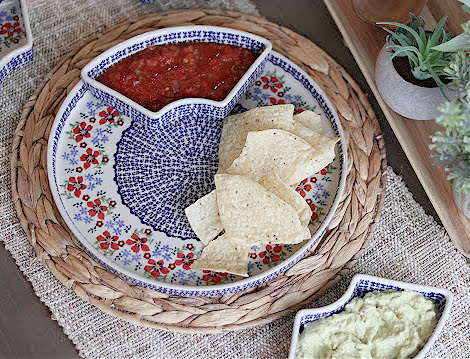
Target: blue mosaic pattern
(179, 36)
(204, 290)
(162, 171)
(364, 286)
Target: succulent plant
(414, 42)
(453, 143)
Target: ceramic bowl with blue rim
(122, 188)
(16, 40)
(362, 284)
(183, 108)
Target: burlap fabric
(408, 245)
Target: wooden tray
(365, 41)
(336, 252)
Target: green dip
(390, 324)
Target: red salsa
(158, 75)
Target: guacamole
(389, 324)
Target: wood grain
(365, 42)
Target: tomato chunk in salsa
(158, 75)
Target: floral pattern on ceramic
(15, 37)
(12, 33)
(84, 175)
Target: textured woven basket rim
(115, 309)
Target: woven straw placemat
(338, 250)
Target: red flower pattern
(185, 259)
(314, 216)
(214, 277)
(10, 29)
(275, 101)
(271, 83)
(82, 131)
(96, 209)
(108, 115)
(312, 207)
(137, 243)
(270, 254)
(324, 171)
(76, 185)
(155, 268)
(303, 187)
(90, 157)
(311, 204)
(107, 240)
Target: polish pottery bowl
(362, 284)
(183, 108)
(16, 40)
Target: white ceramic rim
(345, 298)
(148, 35)
(228, 287)
(29, 37)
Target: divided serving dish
(121, 155)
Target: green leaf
(423, 37)
(416, 36)
(460, 42)
(436, 34)
(438, 82)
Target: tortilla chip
(310, 120)
(204, 219)
(253, 215)
(224, 254)
(236, 127)
(275, 185)
(292, 158)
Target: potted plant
(452, 144)
(409, 72)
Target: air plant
(414, 42)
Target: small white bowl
(360, 285)
(13, 57)
(193, 107)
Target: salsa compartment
(159, 75)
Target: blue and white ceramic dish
(362, 284)
(16, 40)
(185, 108)
(122, 188)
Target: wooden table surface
(365, 41)
(26, 328)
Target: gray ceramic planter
(406, 99)
(462, 201)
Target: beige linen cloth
(408, 245)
